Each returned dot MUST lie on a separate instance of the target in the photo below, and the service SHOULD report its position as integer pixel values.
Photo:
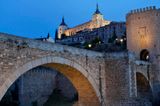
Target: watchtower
(143, 39)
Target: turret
(56, 35)
(97, 10)
(97, 14)
(62, 27)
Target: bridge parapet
(30, 43)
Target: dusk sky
(35, 18)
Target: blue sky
(35, 18)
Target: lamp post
(121, 41)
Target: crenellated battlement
(142, 10)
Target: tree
(56, 35)
(114, 37)
(96, 41)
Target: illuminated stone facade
(97, 21)
(103, 33)
(143, 39)
(143, 31)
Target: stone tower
(143, 39)
(97, 18)
(62, 27)
(143, 29)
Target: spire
(63, 22)
(97, 10)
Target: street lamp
(121, 40)
(89, 45)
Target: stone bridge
(109, 74)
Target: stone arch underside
(143, 72)
(143, 86)
(86, 94)
(44, 61)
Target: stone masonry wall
(143, 31)
(117, 80)
(39, 83)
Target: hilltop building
(96, 28)
(104, 33)
(97, 21)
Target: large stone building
(96, 22)
(104, 33)
(97, 27)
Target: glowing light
(121, 40)
(147, 57)
(89, 45)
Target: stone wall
(132, 102)
(38, 84)
(117, 80)
(143, 31)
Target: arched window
(144, 55)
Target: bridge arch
(144, 89)
(20, 70)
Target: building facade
(103, 33)
(98, 27)
(97, 21)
